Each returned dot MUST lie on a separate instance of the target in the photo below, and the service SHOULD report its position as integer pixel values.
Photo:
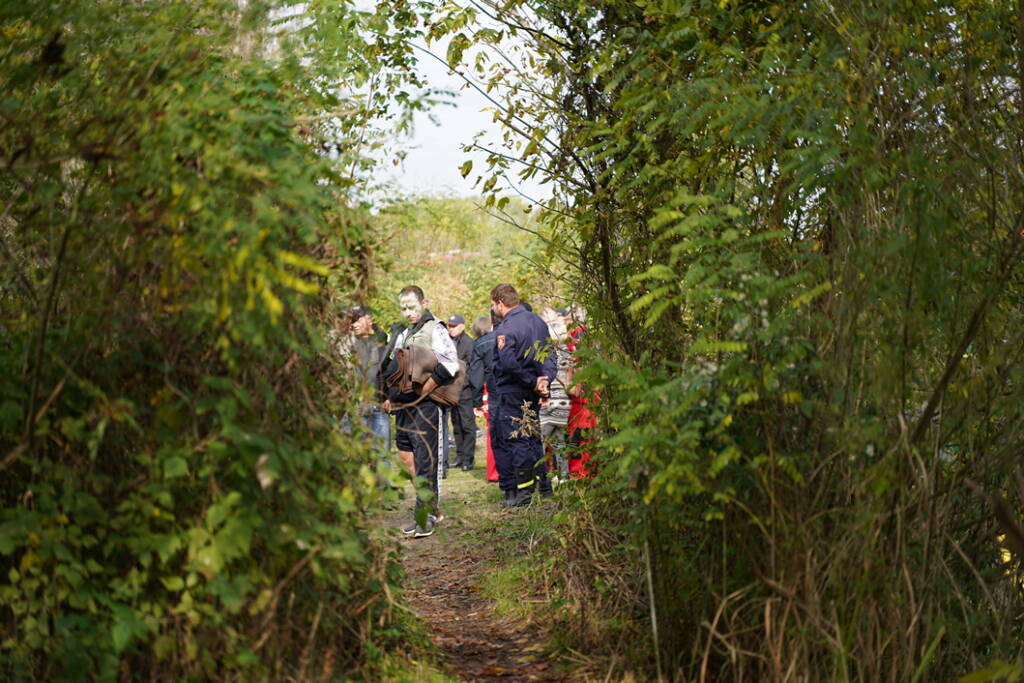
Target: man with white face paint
(417, 416)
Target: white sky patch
(434, 151)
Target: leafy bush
(470, 248)
(176, 497)
(800, 234)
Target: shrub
(176, 497)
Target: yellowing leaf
(811, 294)
(272, 303)
(303, 262)
(28, 560)
(297, 283)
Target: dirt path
(445, 573)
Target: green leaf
(163, 647)
(10, 415)
(175, 466)
(7, 539)
(996, 672)
(173, 583)
(711, 346)
(126, 628)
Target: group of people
(517, 373)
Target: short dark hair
(481, 326)
(413, 289)
(357, 311)
(506, 294)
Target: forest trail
(446, 573)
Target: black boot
(526, 482)
(543, 483)
(506, 502)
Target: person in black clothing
(480, 361)
(463, 422)
(479, 375)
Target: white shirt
(443, 346)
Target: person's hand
(479, 412)
(428, 386)
(541, 387)
(386, 406)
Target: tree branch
(1005, 268)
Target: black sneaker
(426, 530)
(411, 529)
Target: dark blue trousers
(513, 452)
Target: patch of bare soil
(445, 572)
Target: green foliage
(457, 250)
(577, 566)
(799, 232)
(176, 497)
(997, 671)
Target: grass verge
(561, 566)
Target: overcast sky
(435, 151)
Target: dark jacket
(388, 363)
(480, 367)
(464, 349)
(369, 351)
(522, 353)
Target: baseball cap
(356, 312)
(456, 320)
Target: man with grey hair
(554, 417)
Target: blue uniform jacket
(522, 353)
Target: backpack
(415, 363)
(414, 367)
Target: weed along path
(447, 577)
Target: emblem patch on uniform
(501, 341)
